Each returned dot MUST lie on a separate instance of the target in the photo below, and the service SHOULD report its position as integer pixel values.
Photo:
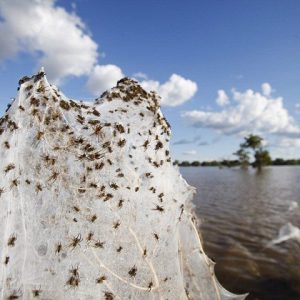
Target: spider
(1, 191)
(36, 292)
(73, 281)
(93, 218)
(9, 168)
(116, 225)
(114, 186)
(6, 260)
(75, 241)
(132, 272)
(146, 143)
(53, 177)
(6, 144)
(159, 208)
(100, 279)
(150, 285)
(12, 240)
(39, 135)
(121, 143)
(108, 296)
(99, 244)
(90, 236)
(159, 145)
(120, 204)
(58, 248)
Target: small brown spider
(90, 236)
(76, 208)
(159, 208)
(36, 292)
(6, 261)
(116, 225)
(53, 177)
(11, 241)
(93, 218)
(120, 204)
(121, 143)
(38, 187)
(6, 145)
(158, 145)
(58, 248)
(100, 279)
(150, 285)
(73, 281)
(75, 241)
(146, 143)
(9, 168)
(108, 296)
(132, 272)
(114, 186)
(99, 244)
(39, 135)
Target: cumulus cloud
(266, 89)
(203, 143)
(249, 112)
(57, 36)
(140, 75)
(222, 99)
(288, 143)
(59, 41)
(190, 152)
(187, 141)
(175, 91)
(103, 77)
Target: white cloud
(250, 112)
(140, 75)
(190, 152)
(222, 99)
(103, 77)
(288, 143)
(184, 141)
(266, 89)
(173, 92)
(59, 41)
(41, 28)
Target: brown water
(241, 212)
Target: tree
(253, 142)
(261, 155)
(262, 158)
(243, 157)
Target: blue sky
(228, 46)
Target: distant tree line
(234, 163)
(253, 144)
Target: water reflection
(241, 212)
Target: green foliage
(262, 158)
(253, 142)
(243, 157)
(261, 155)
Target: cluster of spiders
(93, 149)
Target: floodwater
(241, 213)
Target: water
(241, 213)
